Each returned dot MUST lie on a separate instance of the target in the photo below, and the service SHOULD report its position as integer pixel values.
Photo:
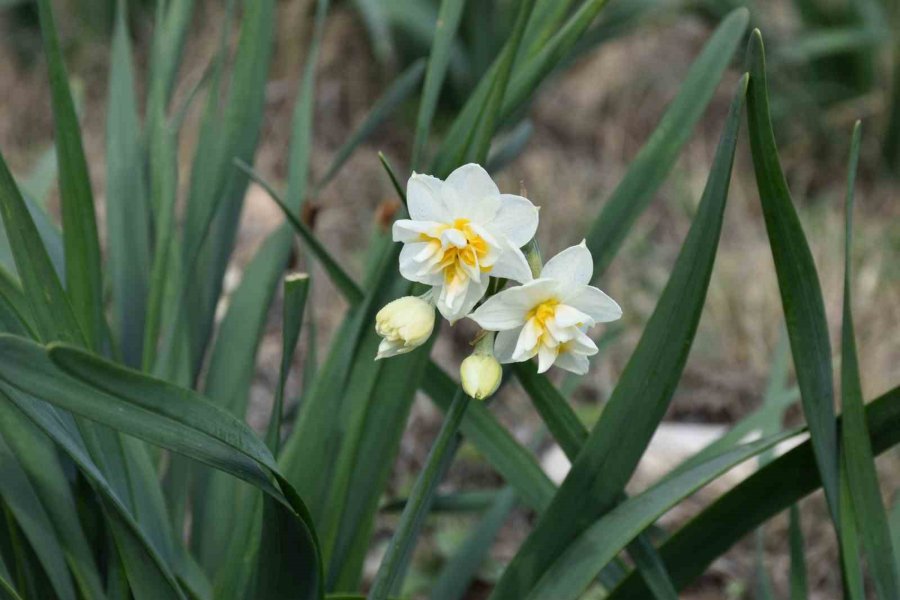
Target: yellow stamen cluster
(542, 313)
(453, 259)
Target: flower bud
(480, 375)
(405, 324)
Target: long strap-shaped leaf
(640, 399)
(653, 162)
(801, 295)
(570, 433)
(175, 418)
(761, 496)
(83, 275)
(572, 572)
(862, 478)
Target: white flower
(548, 316)
(480, 375)
(463, 231)
(405, 324)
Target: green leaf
(413, 517)
(639, 401)
(799, 586)
(82, 246)
(457, 575)
(50, 309)
(40, 464)
(149, 576)
(15, 314)
(801, 295)
(758, 498)
(127, 205)
(656, 158)
(448, 20)
(573, 569)
(862, 478)
(28, 511)
(172, 417)
(396, 94)
(296, 290)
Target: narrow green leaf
(509, 147)
(457, 575)
(396, 94)
(296, 290)
(798, 282)
(127, 206)
(15, 314)
(28, 511)
(799, 585)
(51, 311)
(335, 271)
(40, 463)
(772, 489)
(413, 517)
(149, 576)
(459, 502)
(639, 401)
(656, 158)
(862, 479)
(82, 246)
(448, 20)
(168, 416)
(572, 571)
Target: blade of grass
(615, 445)
(82, 246)
(448, 20)
(127, 206)
(772, 489)
(798, 282)
(862, 479)
(656, 158)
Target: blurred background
(830, 61)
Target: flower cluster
(463, 234)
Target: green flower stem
(419, 504)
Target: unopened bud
(405, 324)
(480, 375)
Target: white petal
(425, 199)
(454, 237)
(472, 182)
(527, 344)
(511, 264)
(574, 363)
(516, 219)
(407, 230)
(454, 304)
(505, 344)
(560, 334)
(568, 316)
(573, 266)
(475, 293)
(412, 269)
(546, 357)
(600, 307)
(507, 309)
(583, 344)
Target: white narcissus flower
(405, 324)
(548, 316)
(462, 232)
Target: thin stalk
(419, 503)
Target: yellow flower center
(453, 259)
(542, 313)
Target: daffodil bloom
(405, 324)
(549, 316)
(462, 232)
